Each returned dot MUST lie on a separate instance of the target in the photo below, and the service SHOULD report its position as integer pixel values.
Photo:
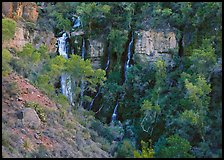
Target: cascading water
(76, 21)
(127, 64)
(107, 66)
(114, 115)
(82, 82)
(62, 45)
(83, 48)
(91, 104)
(65, 79)
(108, 59)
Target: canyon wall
(15, 10)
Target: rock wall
(95, 51)
(151, 45)
(23, 35)
(151, 42)
(16, 10)
(96, 48)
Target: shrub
(8, 28)
(27, 144)
(38, 109)
(173, 147)
(6, 57)
(147, 151)
(102, 130)
(124, 149)
(11, 89)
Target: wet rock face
(151, 42)
(15, 10)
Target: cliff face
(96, 50)
(26, 31)
(149, 45)
(151, 42)
(16, 10)
(24, 35)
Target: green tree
(203, 59)
(147, 151)
(6, 57)
(8, 28)
(125, 149)
(188, 18)
(197, 95)
(81, 70)
(173, 147)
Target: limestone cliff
(16, 10)
(96, 50)
(151, 45)
(25, 35)
(152, 42)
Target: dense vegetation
(172, 112)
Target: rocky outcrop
(30, 12)
(30, 118)
(16, 10)
(151, 45)
(152, 42)
(96, 50)
(24, 34)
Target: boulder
(30, 118)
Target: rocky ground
(24, 134)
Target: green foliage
(38, 109)
(102, 130)
(81, 70)
(203, 59)
(6, 57)
(29, 62)
(42, 83)
(125, 149)
(198, 93)
(61, 22)
(61, 99)
(147, 106)
(147, 151)
(117, 40)
(8, 28)
(44, 55)
(158, 99)
(190, 117)
(174, 147)
(93, 16)
(27, 51)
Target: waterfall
(76, 21)
(65, 79)
(82, 82)
(127, 64)
(107, 66)
(114, 115)
(62, 45)
(108, 59)
(66, 87)
(91, 104)
(83, 48)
